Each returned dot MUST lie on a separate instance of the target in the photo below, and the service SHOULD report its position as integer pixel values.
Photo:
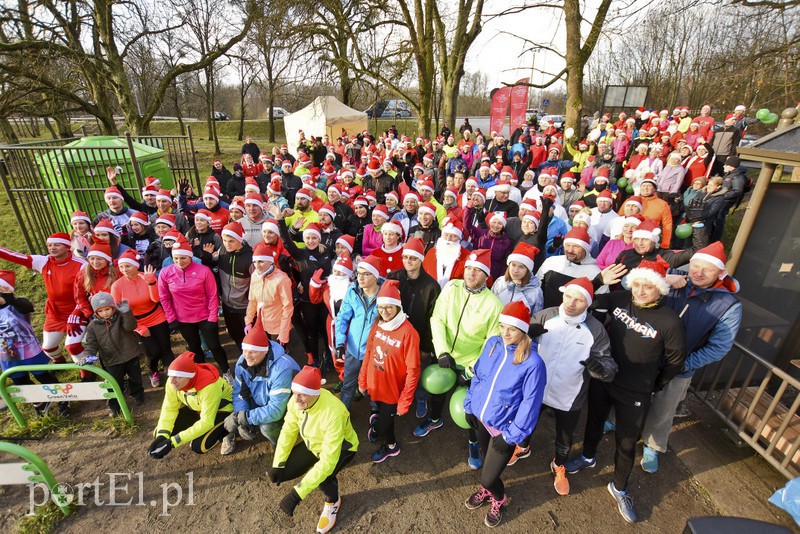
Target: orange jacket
(658, 211)
(271, 298)
(391, 368)
(143, 299)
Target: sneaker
(228, 445)
(228, 376)
(477, 499)
(425, 428)
(649, 460)
(608, 426)
(561, 484)
(386, 451)
(208, 354)
(155, 380)
(372, 436)
(42, 408)
(474, 460)
(422, 408)
(328, 517)
(579, 463)
(113, 412)
(624, 503)
(519, 454)
(64, 409)
(495, 513)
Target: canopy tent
(325, 115)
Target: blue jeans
(271, 431)
(352, 366)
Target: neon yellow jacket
(324, 428)
(462, 322)
(580, 158)
(211, 399)
(441, 212)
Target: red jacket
(390, 261)
(390, 371)
(101, 283)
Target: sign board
(71, 391)
(624, 96)
(16, 473)
(545, 102)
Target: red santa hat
(347, 241)
(182, 248)
(534, 216)
(482, 259)
(580, 204)
(327, 208)
(59, 238)
(647, 230)
(428, 156)
(312, 229)
(452, 191)
(211, 191)
(580, 237)
(152, 181)
(361, 201)
(100, 250)
(149, 190)
(428, 208)
(653, 272)
(381, 210)
(556, 147)
(256, 339)
(274, 187)
(636, 200)
(205, 215)
(393, 195)
(112, 192)
(393, 226)
(499, 216)
(308, 381)
(715, 255)
(8, 280)
(250, 185)
(183, 366)
(425, 185)
(516, 314)
(344, 265)
(237, 204)
(605, 196)
(374, 165)
(523, 253)
(649, 178)
(602, 174)
(80, 216)
(173, 235)
(255, 199)
(568, 176)
(369, 194)
(164, 194)
(411, 195)
(481, 192)
(419, 167)
(583, 285)
(262, 252)
(234, 230)
(130, 257)
(372, 264)
(453, 227)
(582, 216)
(415, 247)
(105, 226)
(303, 193)
(389, 294)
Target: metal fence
(46, 180)
(757, 401)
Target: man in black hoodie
(234, 264)
(290, 182)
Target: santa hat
(516, 314)
(568, 176)
(653, 272)
(149, 190)
(583, 285)
(636, 200)
(327, 208)
(211, 191)
(112, 192)
(428, 208)
(59, 238)
(347, 241)
(328, 169)
(372, 264)
(254, 198)
(130, 257)
(308, 381)
(105, 226)
(481, 192)
(183, 366)
(234, 230)
(251, 186)
(453, 191)
(647, 230)
(411, 195)
(80, 216)
(428, 157)
(740, 107)
(274, 187)
(381, 210)
(152, 181)
(602, 174)
(425, 185)
(303, 193)
(482, 259)
(580, 204)
(369, 194)
(256, 339)
(580, 237)
(393, 195)
(419, 167)
(453, 227)
(140, 218)
(182, 248)
(164, 194)
(101, 250)
(374, 165)
(632, 219)
(649, 178)
(173, 235)
(7, 281)
(556, 147)
(523, 253)
(361, 172)
(415, 247)
(312, 229)
(205, 215)
(344, 265)
(534, 216)
(389, 294)
(471, 180)
(286, 163)
(361, 201)
(393, 226)
(236, 204)
(605, 195)
(262, 252)
(496, 216)
(715, 255)
(166, 218)
(582, 216)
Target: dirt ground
(421, 490)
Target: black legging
(24, 378)
(300, 460)
(566, 423)
(496, 454)
(210, 331)
(631, 411)
(384, 426)
(437, 402)
(309, 319)
(158, 347)
(187, 417)
(234, 322)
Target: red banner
(500, 98)
(519, 103)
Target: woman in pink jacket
(373, 239)
(188, 294)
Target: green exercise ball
(772, 118)
(457, 407)
(762, 114)
(629, 189)
(622, 183)
(683, 231)
(437, 380)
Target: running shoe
(561, 483)
(425, 428)
(579, 463)
(519, 454)
(624, 503)
(422, 408)
(477, 499)
(649, 460)
(386, 451)
(495, 513)
(228, 445)
(474, 460)
(155, 380)
(328, 517)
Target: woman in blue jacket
(503, 403)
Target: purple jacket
(372, 241)
(189, 295)
(500, 245)
(670, 179)
(610, 252)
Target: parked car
(558, 121)
(278, 113)
(389, 109)
(220, 116)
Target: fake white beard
(338, 286)
(447, 252)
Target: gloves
(558, 241)
(499, 444)
(230, 423)
(174, 325)
(275, 475)
(241, 418)
(462, 379)
(160, 447)
(340, 353)
(123, 306)
(472, 420)
(446, 361)
(595, 368)
(290, 502)
(74, 324)
(317, 278)
(248, 432)
(9, 298)
(535, 330)
(247, 328)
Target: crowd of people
(541, 281)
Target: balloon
(762, 114)
(437, 380)
(457, 407)
(622, 183)
(772, 118)
(629, 189)
(594, 135)
(683, 231)
(569, 132)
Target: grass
(45, 519)
(51, 424)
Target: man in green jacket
(328, 443)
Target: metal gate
(26, 170)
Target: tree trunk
(176, 102)
(50, 128)
(241, 110)
(7, 131)
(62, 121)
(450, 100)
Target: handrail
(40, 472)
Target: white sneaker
(228, 376)
(328, 517)
(228, 445)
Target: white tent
(325, 115)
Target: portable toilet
(74, 175)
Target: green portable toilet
(75, 175)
